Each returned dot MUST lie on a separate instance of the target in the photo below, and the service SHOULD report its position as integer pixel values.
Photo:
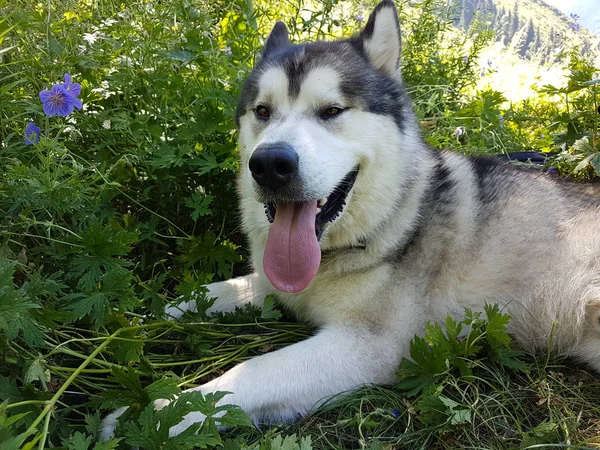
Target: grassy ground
(545, 405)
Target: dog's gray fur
(424, 234)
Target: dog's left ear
(381, 38)
(277, 40)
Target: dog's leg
(229, 294)
(286, 384)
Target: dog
(365, 232)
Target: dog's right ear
(277, 40)
(381, 38)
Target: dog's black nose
(274, 165)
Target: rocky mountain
(533, 28)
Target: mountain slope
(532, 28)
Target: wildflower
(575, 27)
(73, 89)
(32, 134)
(459, 131)
(62, 99)
(395, 413)
(501, 119)
(360, 16)
(552, 171)
(106, 124)
(489, 63)
(228, 51)
(574, 16)
(90, 38)
(465, 59)
(482, 73)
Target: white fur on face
(328, 151)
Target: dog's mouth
(292, 253)
(328, 209)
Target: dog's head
(320, 126)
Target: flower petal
(50, 109)
(32, 134)
(76, 103)
(68, 81)
(65, 108)
(74, 89)
(45, 96)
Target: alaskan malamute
(364, 231)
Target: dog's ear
(277, 40)
(381, 38)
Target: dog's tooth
(318, 210)
(323, 201)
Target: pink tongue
(292, 255)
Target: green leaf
(496, 330)
(200, 204)
(234, 417)
(544, 433)
(37, 372)
(78, 441)
(111, 444)
(268, 310)
(165, 388)
(94, 304)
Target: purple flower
(489, 63)
(465, 59)
(32, 134)
(575, 27)
(395, 413)
(360, 16)
(574, 16)
(501, 118)
(62, 99)
(459, 131)
(552, 171)
(72, 88)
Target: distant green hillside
(532, 28)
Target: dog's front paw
(109, 424)
(176, 312)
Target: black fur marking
(483, 167)
(367, 32)
(442, 184)
(361, 85)
(438, 201)
(277, 40)
(296, 68)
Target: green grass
(555, 405)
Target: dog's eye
(262, 112)
(330, 112)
